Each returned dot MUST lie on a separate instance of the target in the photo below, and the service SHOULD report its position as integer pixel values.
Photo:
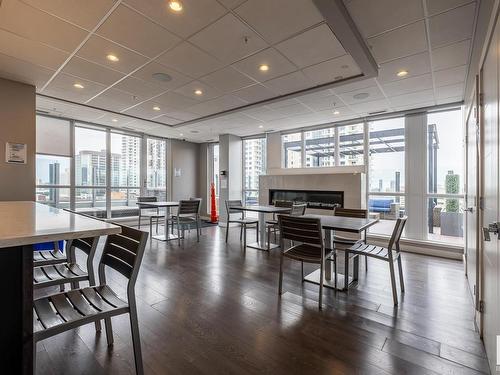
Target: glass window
(123, 202)
(254, 165)
(351, 144)
(54, 197)
(52, 170)
(125, 160)
(445, 220)
(156, 170)
(388, 209)
(320, 148)
(52, 136)
(292, 150)
(91, 201)
(387, 155)
(90, 157)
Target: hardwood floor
(212, 308)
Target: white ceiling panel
(434, 6)
(22, 71)
(190, 60)
(227, 79)
(182, 115)
(452, 26)
(289, 83)
(255, 93)
(376, 17)
(278, 65)
(294, 110)
(452, 99)
(450, 76)
(114, 100)
(195, 14)
(147, 74)
(191, 88)
(324, 103)
(415, 65)
(167, 120)
(278, 19)
(114, 120)
(92, 72)
(174, 100)
(231, 3)
(402, 42)
(134, 31)
(449, 91)
(354, 86)
(62, 87)
(450, 56)
(138, 87)
(228, 39)
(29, 22)
(31, 51)
(408, 85)
(367, 94)
(332, 70)
(96, 49)
(370, 107)
(263, 114)
(220, 104)
(312, 47)
(412, 99)
(87, 16)
(145, 110)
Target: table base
(162, 237)
(262, 246)
(313, 277)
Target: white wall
(184, 156)
(230, 161)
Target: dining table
(23, 224)
(330, 224)
(262, 211)
(167, 205)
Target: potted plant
(451, 217)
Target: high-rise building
(130, 161)
(90, 168)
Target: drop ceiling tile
(402, 42)
(278, 19)
(450, 76)
(415, 106)
(289, 83)
(167, 120)
(449, 91)
(374, 93)
(208, 92)
(114, 100)
(328, 115)
(190, 60)
(408, 85)
(195, 14)
(220, 104)
(332, 70)
(376, 17)
(92, 72)
(255, 93)
(146, 74)
(452, 26)
(87, 16)
(174, 100)
(228, 39)
(283, 103)
(452, 99)
(354, 86)
(25, 72)
(140, 125)
(134, 31)
(434, 6)
(231, 3)
(138, 87)
(145, 110)
(227, 80)
(114, 120)
(411, 99)
(182, 115)
(370, 107)
(60, 34)
(62, 87)
(278, 65)
(450, 56)
(324, 103)
(294, 110)
(263, 114)
(96, 49)
(30, 51)
(415, 65)
(312, 47)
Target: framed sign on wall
(15, 153)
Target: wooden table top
(346, 224)
(26, 223)
(264, 209)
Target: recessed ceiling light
(156, 108)
(402, 73)
(198, 92)
(336, 112)
(264, 68)
(113, 58)
(261, 126)
(114, 120)
(78, 86)
(163, 77)
(361, 95)
(181, 134)
(176, 6)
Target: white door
(489, 139)
(472, 200)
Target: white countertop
(25, 223)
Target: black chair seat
(57, 274)
(272, 222)
(346, 240)
(63, 311)
(305, 253)
(46, 257)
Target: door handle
(492, 228)
(469, 209)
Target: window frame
(244, 190)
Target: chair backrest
(283, 203)
(298, 209)
(350, 212)
(396, 233)
(123, 252)
(301, 229)
(189, 207)
(146, 200)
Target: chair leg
(151, 226)
(197, 231)
(302, 270)
(401, 280)
(227, 230)
(320, 301)
(241, 232)
(178, 231)
(346, 271)
(157, 222)
(280, 285)
(393, 283)
(335, 268)
(139, 224)
(257, 232)
(109, 331)
(268, 238)
(244, 237)
(366, 263)
(136, 341)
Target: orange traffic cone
(213, 206)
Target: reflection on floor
(212, 308)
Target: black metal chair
(188, 213)
(150, 212)
(272, 224)
(61, 312)
(307, 232)
(296, 210)
(243, 221)
(385, 254)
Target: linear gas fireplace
(318, 199)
